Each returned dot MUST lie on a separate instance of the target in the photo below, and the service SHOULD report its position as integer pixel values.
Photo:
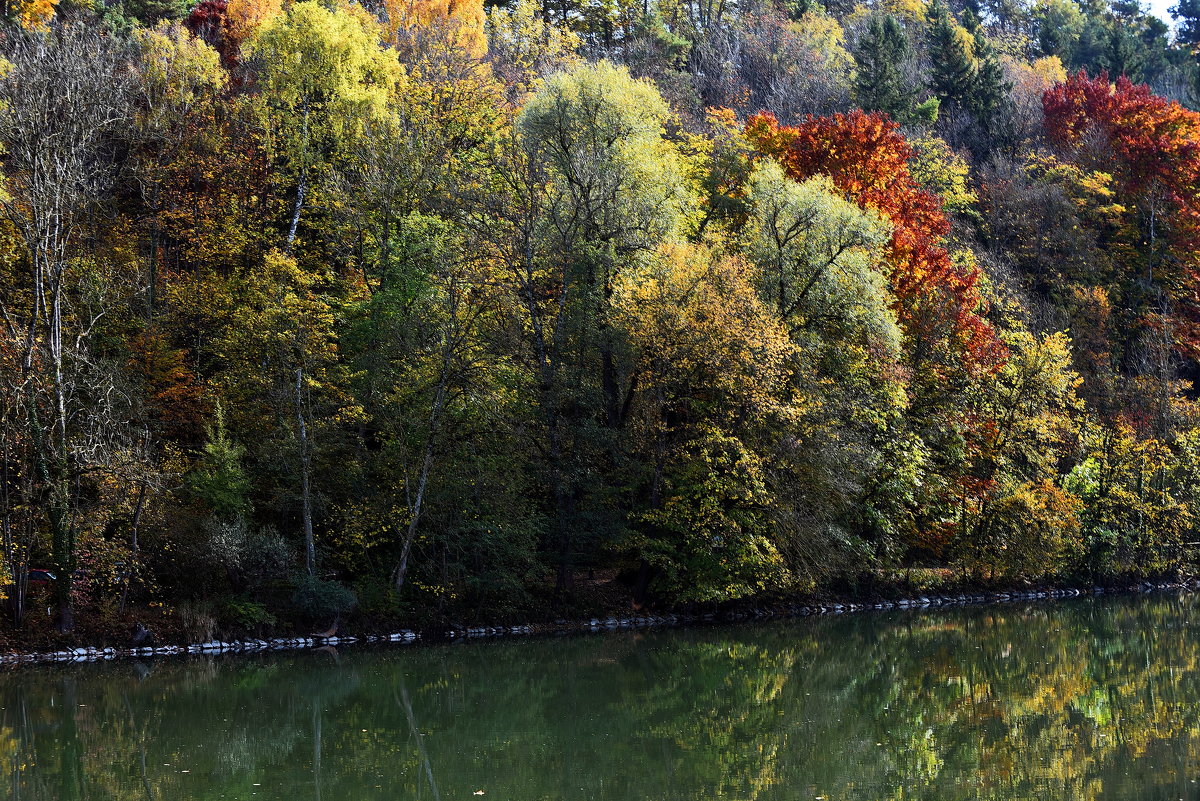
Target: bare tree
(64, 97)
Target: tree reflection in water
(1083, 700)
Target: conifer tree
(990, 91)
(1122, 54)
(879, 84)
(1186, 14)
(952, 67)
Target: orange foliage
(244, 17)
(466, 17)
(34, 15)
(1151, 146)
(867, 158)
(226, 24)
(173, 393)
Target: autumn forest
(437, 309)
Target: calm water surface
(1076, 700)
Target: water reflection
(1067, 701)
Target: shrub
(318, 599)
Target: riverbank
(730, 613)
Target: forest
(438, 309)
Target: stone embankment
(595, 624)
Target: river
(1087, 699)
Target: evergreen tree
(219, 480)
(879, 84)
(1187, 14)
(989, 92)
(970, 22)
(1126, 11)
(1122, 54)
(952, 67)
(1058, 25)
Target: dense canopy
(429, 310)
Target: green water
(1074, 700)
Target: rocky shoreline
(591, 625)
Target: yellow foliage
(35, 15)
(906, 10)
(1033, 79)
(1091, 191)
(938, 168)
(697, 321)
(177, 68)
(822, 34)
(528, 44)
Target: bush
(246, 614)
(318, 599)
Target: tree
(1137, 504)
(821, 261)
(1186, 14)
(710, 362)
(64, 99)
(416, 348)
(523, 46)
(1122, 54)
(867, 159)
(282, 374)
(793, 67)
(225, 26)
(940, 170)
(219, 480)
(819, 256)
(324, 77)
(462, 20)
(951, 55)
(590, 188)
(988, 100)
(32, 15)
(880, 84)
(181, 82)
(1059, 24)
(1014, 518)
(1150, 146)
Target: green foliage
(820, 256)
(1187, 16)
(712, 538)
(219, 480)
(318, 599)
(467, 324)
(246, 614)
(599, 132)
(1030, 532)
(1059, 25)
(880, 83)
(951, 55)
(1138, 497)
(989, 96)
(939, 169)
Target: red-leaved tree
(1151, 147)
(937, 299)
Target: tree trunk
(310, 551)
(435, 418)
(133, 545)
(301, 191)
(302, 188)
